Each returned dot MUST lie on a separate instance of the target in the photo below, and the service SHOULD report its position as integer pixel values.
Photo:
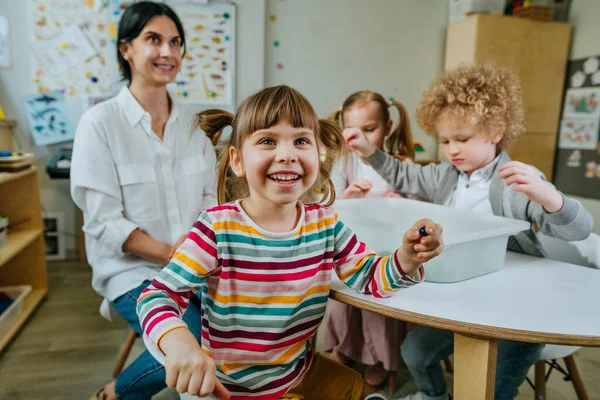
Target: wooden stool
(125, 352)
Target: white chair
(160, 357)
(587, 254)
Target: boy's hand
(417, 249)
(357, 141)
(526, 180)
(391, 194)
(357, 189)
(189, 369)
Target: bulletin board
(577, 170)
(74, 46)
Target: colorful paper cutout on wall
(47, 117)
(583, 103)
(578, 134)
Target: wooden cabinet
(23, 258)
(538, 52)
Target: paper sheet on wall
(578, 133)
(64, 50)
(4, 43)
(52, 17)
(582, 103)
(47, 117)
(577, 170)
(207, 72)
(206, 75)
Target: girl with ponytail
(353, 334)
(368, 112)
(263, 261)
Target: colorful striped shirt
(263, 294)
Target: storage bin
(475, 243)
(12, 313)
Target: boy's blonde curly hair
(488, 96)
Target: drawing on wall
(50, 18)
(47, 117)
(578, 134)
(63, 51)
(578, 154)
(584, 102)
(574, 159)
(206, 75)
(207, 71)
(587, 72)
(4, 44)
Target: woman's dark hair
(133, 22)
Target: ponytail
(335, 148)
(336, 116)
(212, 122)
(400, 142)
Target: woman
(140, 179)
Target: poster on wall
(47, 117)
(5, 62)
(207, 70)
(75, 44)
(577, 167)
(582, 103)
(52, 20)
(65, 50)
(578, 133)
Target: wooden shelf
(16, 242)
(11, 176)
(30, 303)
(23, 258)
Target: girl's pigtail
(400, 141)
(212, 122)
(334, 148)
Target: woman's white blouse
(124, 177)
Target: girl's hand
(189, 369)
(417, 249)
(526, 180)
(357, 189)
(357, 141)
(176, 246)
(391, 194)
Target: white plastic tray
(8, 317)
(475, 243)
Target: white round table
(529, 300)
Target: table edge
(465, 328)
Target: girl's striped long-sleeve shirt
(263, 294)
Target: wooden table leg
(540, 380)
(474, 368)
(576, 378)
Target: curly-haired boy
(476, 113)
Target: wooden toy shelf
(23, 258)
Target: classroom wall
(328, 49)
(332, 48)
(17, 82)
(584, 16)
